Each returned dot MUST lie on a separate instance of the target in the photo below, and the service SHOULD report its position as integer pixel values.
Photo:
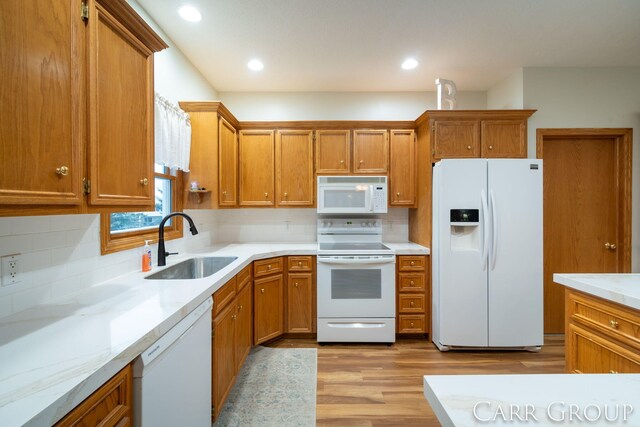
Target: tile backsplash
(60, 254)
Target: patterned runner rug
(275, 387)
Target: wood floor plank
(378, 385)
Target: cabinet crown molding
(474, 114)
(134, 23)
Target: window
(126, 230)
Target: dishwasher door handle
(356, 261)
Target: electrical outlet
(11, 269)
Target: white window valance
(172, 135)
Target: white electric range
(356, 282)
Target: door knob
(610, 246)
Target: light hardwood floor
(380, 385)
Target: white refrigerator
(487, 254)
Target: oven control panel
(349, 226)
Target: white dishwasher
(172, 378)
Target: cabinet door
(227, 164)
(224, 350)
(257, 156)
(300, 302)
(504, 138)
(294, 168)
(402, 174)
(268, 308)
(244, 326)
(456, 139)
(591, 353)
(121, 144)
(333, 149)
(40, 102)
(370, 151)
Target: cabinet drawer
(300, 263)
(223, 296)
(411, 263)
(608, 318)
(411, 282)
(110, 405)
(243, 278)
(411, 303)
(591, 353)
(268, 266)
(411, 324)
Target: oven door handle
(351, 261)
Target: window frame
(111, 243)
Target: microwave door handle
(371, 198)
(323, 260)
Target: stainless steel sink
(194, 268)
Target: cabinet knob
(62, 171)
(296, 284)
(262, 291)
(233, 316)
(240, 307)
(224, 193)
(613, 372)
(266, 194)
(269, 267)
(491, 147)
(411, 283)
(286, 194)
(398, 194)
(144, 181)
(411, 304)
(411, 324)
(468, 147)
(614, 324)
(361, 161)
(299, 263)
(412, 263)
(610, 246)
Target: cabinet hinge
(314, 137)
(84, 11)
(86, 186)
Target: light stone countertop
(55, 355)
(619, 288)
(539, 400)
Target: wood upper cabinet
(402, 168)
(478, 133)
(456, 139)
(268, 308)
(110, 405)
(227, 164)
(295, 185)
(504, 138)
(121, 111)
(370, 151)
(41, 109)
(601, 336)
(257, 161)
(333, 151)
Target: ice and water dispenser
(465, 229)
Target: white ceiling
(358, 45)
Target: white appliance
(352, 194)
(487, 254)
(356, 282)
(172, 378)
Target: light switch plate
(11, 269)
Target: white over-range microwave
(352, 194)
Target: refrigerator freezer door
(459, 278)
(515, 267)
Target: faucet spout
(162, 253)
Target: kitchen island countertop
(622, 289)
(56, 354)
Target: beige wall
(508, 93)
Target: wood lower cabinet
(301, 295)
(268, 297)
(413, 297)
(232, 334)
(295, 184)
(257, 168)
(402, 168)
(601, 336)
(109, 406)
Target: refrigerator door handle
(485, 231)
(494, 240)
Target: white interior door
(462, 277)
(515, 261)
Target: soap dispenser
(146, 256)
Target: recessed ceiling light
(255, 65)
(190, 13)
(409, 64)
